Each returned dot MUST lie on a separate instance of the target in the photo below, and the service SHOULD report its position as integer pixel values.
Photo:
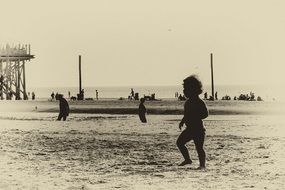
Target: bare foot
(185, 162)
(201, 168)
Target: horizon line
(148, 85)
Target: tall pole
(18, 91)
(24, 82)
(1, 81)
(212, 77)
(80, 74)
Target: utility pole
(212, 77)
(80, 87)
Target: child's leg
(183, 138)
(142, 118)
(199, 142)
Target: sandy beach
(102, 145)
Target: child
(142, 111)
(194, 111)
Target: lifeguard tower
(12, 71)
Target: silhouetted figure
(56, 96)
(63, 108)
(142, 111)
(68, 94)
(33, 96)
(96, 94)
(152, 96)
(176, 94)
(80, 96)
(211, 98)
(252, 96)
(181, 98)
(205, 96)
(194, 111)
(52, 95)
(136, 96)
(216, 96)
(226, 97)
(259, 98)
(132, 93)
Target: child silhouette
(194, 111)
(142, 111)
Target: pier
(12, 71)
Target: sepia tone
(142, 94)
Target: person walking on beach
(194, 111)
(132, 94)
(216, 96)
(205, 96)
(142, 111)
(52, 96)
(63, 108)
(33, 96)
(96, 94)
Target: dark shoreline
(163, 107)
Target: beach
(103, 145)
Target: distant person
(194, 111)
(216, 96)
(97, 95)
(33, 96)
(259, 98)
(56, 96)
(132, 94)
(211, 98)
(82, 94)
(205, 96)
(252, 96)
(69, 94)
(181, 98)
(176, 94)
(52, 96)
(63, 108)
(142, 111)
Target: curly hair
(193, 84)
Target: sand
(245, 148)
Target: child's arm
(204, 111)
(181, 123)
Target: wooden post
(24, 82)
(212, 77)
(80, 87)
(18, 91)
(2, 81)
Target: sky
(148, 42)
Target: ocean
(268, 93)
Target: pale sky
(148, 42)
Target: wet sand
(161, 107)
(116, 151)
